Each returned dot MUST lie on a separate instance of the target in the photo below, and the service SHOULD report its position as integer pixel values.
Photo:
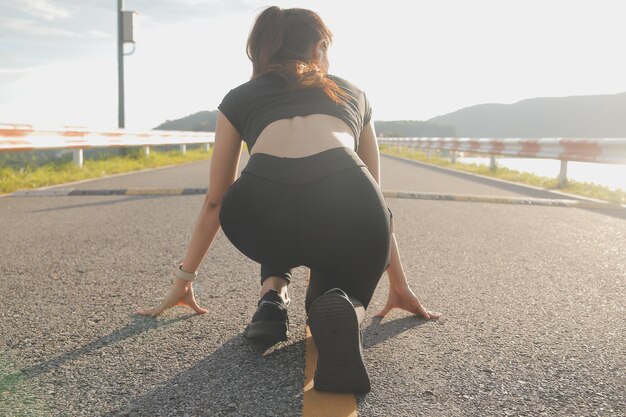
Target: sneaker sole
(335, 330)
(269, 331)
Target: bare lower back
(303, 136)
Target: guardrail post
(78, 157)
(207, 147)
(493, 166)
(146, 150)
(183, 149)
(563, 174)
(453, 157)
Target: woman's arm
(400, 294)
(368, 151)
(224, 164)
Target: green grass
(584, 189)
(12, 179)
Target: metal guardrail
(18, 137)
(21, 137)
(611, 151)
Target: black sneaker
(270, 322)
(335, 329)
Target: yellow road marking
(322, 404)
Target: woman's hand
(181, 294)
(404, 298)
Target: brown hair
(280, 42)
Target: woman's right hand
(181, 294)
(404, 298)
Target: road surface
(533, 301)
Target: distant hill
(415, 128)
(203, 121)
(577, 116)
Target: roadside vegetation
(573, 187)
(26, 175)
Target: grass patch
(12, 179)
(584, 189)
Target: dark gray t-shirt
(255, 104)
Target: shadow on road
(139, 325)
(243, 378)
(128, 199)
(240, 378)
(377, 332)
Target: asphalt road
(533, 301)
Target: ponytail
(266, 39)
(279, 43)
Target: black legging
(324, 211)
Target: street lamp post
(125, 29)
(121, 122)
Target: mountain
(595, 116)
(598, 116)
(413, 128)
(203, 121)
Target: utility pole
(125, 34)
(121, 121)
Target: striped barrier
(585, 204)
(28, 138)
(612, 151)
(21, 137)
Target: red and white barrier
(583, 150)
(20, 137)
(15, 137)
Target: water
(609, 175)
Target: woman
(309, 195)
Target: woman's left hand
(181, 294)
(405, 299)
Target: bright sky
(416, 59)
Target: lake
(609, 175)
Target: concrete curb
(504, 200)
(414, 195)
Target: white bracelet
(184, 275)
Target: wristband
(184, 275)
